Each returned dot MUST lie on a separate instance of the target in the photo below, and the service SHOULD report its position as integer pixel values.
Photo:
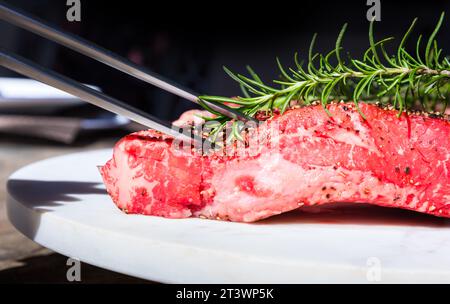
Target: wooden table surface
(22, 260)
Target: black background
(190, 41)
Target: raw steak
(314, 159)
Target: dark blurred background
(189, 42)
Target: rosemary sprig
(398, 79)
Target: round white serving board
(61, 204)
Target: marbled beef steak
(314, 159)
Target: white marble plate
(22, 95)
(61, 204)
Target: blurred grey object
(19, 95)
(60, 129)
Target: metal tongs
(31, 70)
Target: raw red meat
(316, 159)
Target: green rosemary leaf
(237, 131)
(328, 89)
(217, 99)
(283, 72)
(256, 83)
(363, 67)
(360, 88)
(400, 101)
(446, 62)
(338, 44)
(372, 43)
(311, 56)
(311, 47)
(330, 53)
(412, 75)
(287, 101)
(395, 81)
(419, 40)
(436, 54)
(241, 82)
(359, 109)
(370, 82)
(406, 56)
(390, 60)
(431, 39)
(378, 43)
(284, 83)
(244, 91)
(297, 75)
(298, 64)
(206, 107)
(309, 94)
(210, 122)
